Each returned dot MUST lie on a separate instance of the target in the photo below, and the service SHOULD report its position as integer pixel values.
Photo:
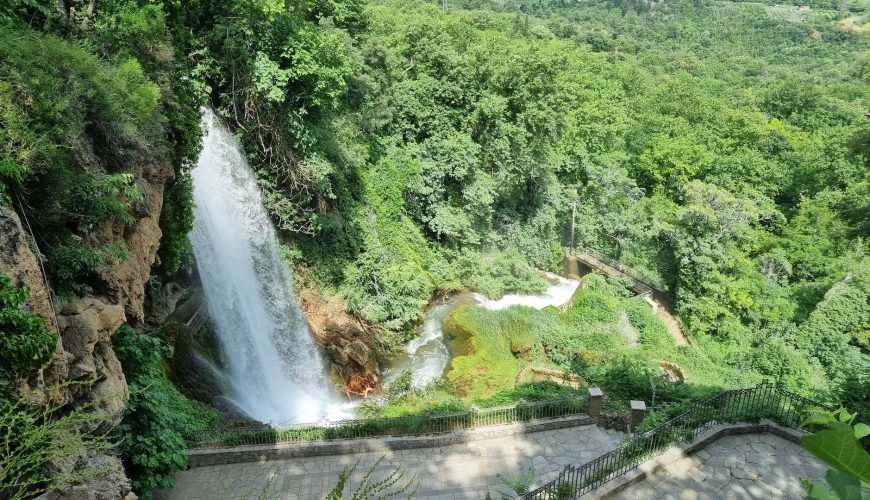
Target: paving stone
(697, 475)
(742, 473)
(764, 474)
(744, 448)
(763, 448)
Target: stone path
(739, 467)
(469, 470)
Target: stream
(427, 354)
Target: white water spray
(275, 368)
(427, 354)
(555, 295)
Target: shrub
(71, 123)
(25, 342)
(158, 418)
(34, 435)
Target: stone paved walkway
(754, 466)
(467, 470)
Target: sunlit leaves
(838, 446)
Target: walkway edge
(261, 453)
(674, 453)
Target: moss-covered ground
(605, 336)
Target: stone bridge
(597, 262)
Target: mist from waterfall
(274, 367)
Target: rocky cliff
(346, 339)
(84, 352)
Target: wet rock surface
(346, 340)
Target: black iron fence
(410, 425)
(744, 405)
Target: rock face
(347, 341)
(84, 352)
(86, 327)
(123, 281)
(19, 262)
(160, 302)
(112, 484)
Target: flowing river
(427, 355)
(274, 369)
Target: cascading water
(427, 355)
(275, 370)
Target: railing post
(638, 413)
(594, 406)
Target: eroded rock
(346, 339)
(18, 261)
(123, 281)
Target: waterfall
(275, 369)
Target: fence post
(638, 413)
(594, 407)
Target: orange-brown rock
(86, 327)
(123, 281)
(347, 340)
(18, 261)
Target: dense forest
(410, 148)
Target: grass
(588, 339)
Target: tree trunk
(89, 13)
(62, 11)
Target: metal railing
(198, 320)
(745, 405)
(640, 284)
(411, 425)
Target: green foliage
(490, 338)
(498, 273)
(158, 419)
(519, 484)
(33, 435)
(393, 485)
(839, 446)
(530, 391)
(14, 10)
(103, 114)
(25, 342)
(72, 263)
(176, 221)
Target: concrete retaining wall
(261, 453)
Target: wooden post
(573, 218)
